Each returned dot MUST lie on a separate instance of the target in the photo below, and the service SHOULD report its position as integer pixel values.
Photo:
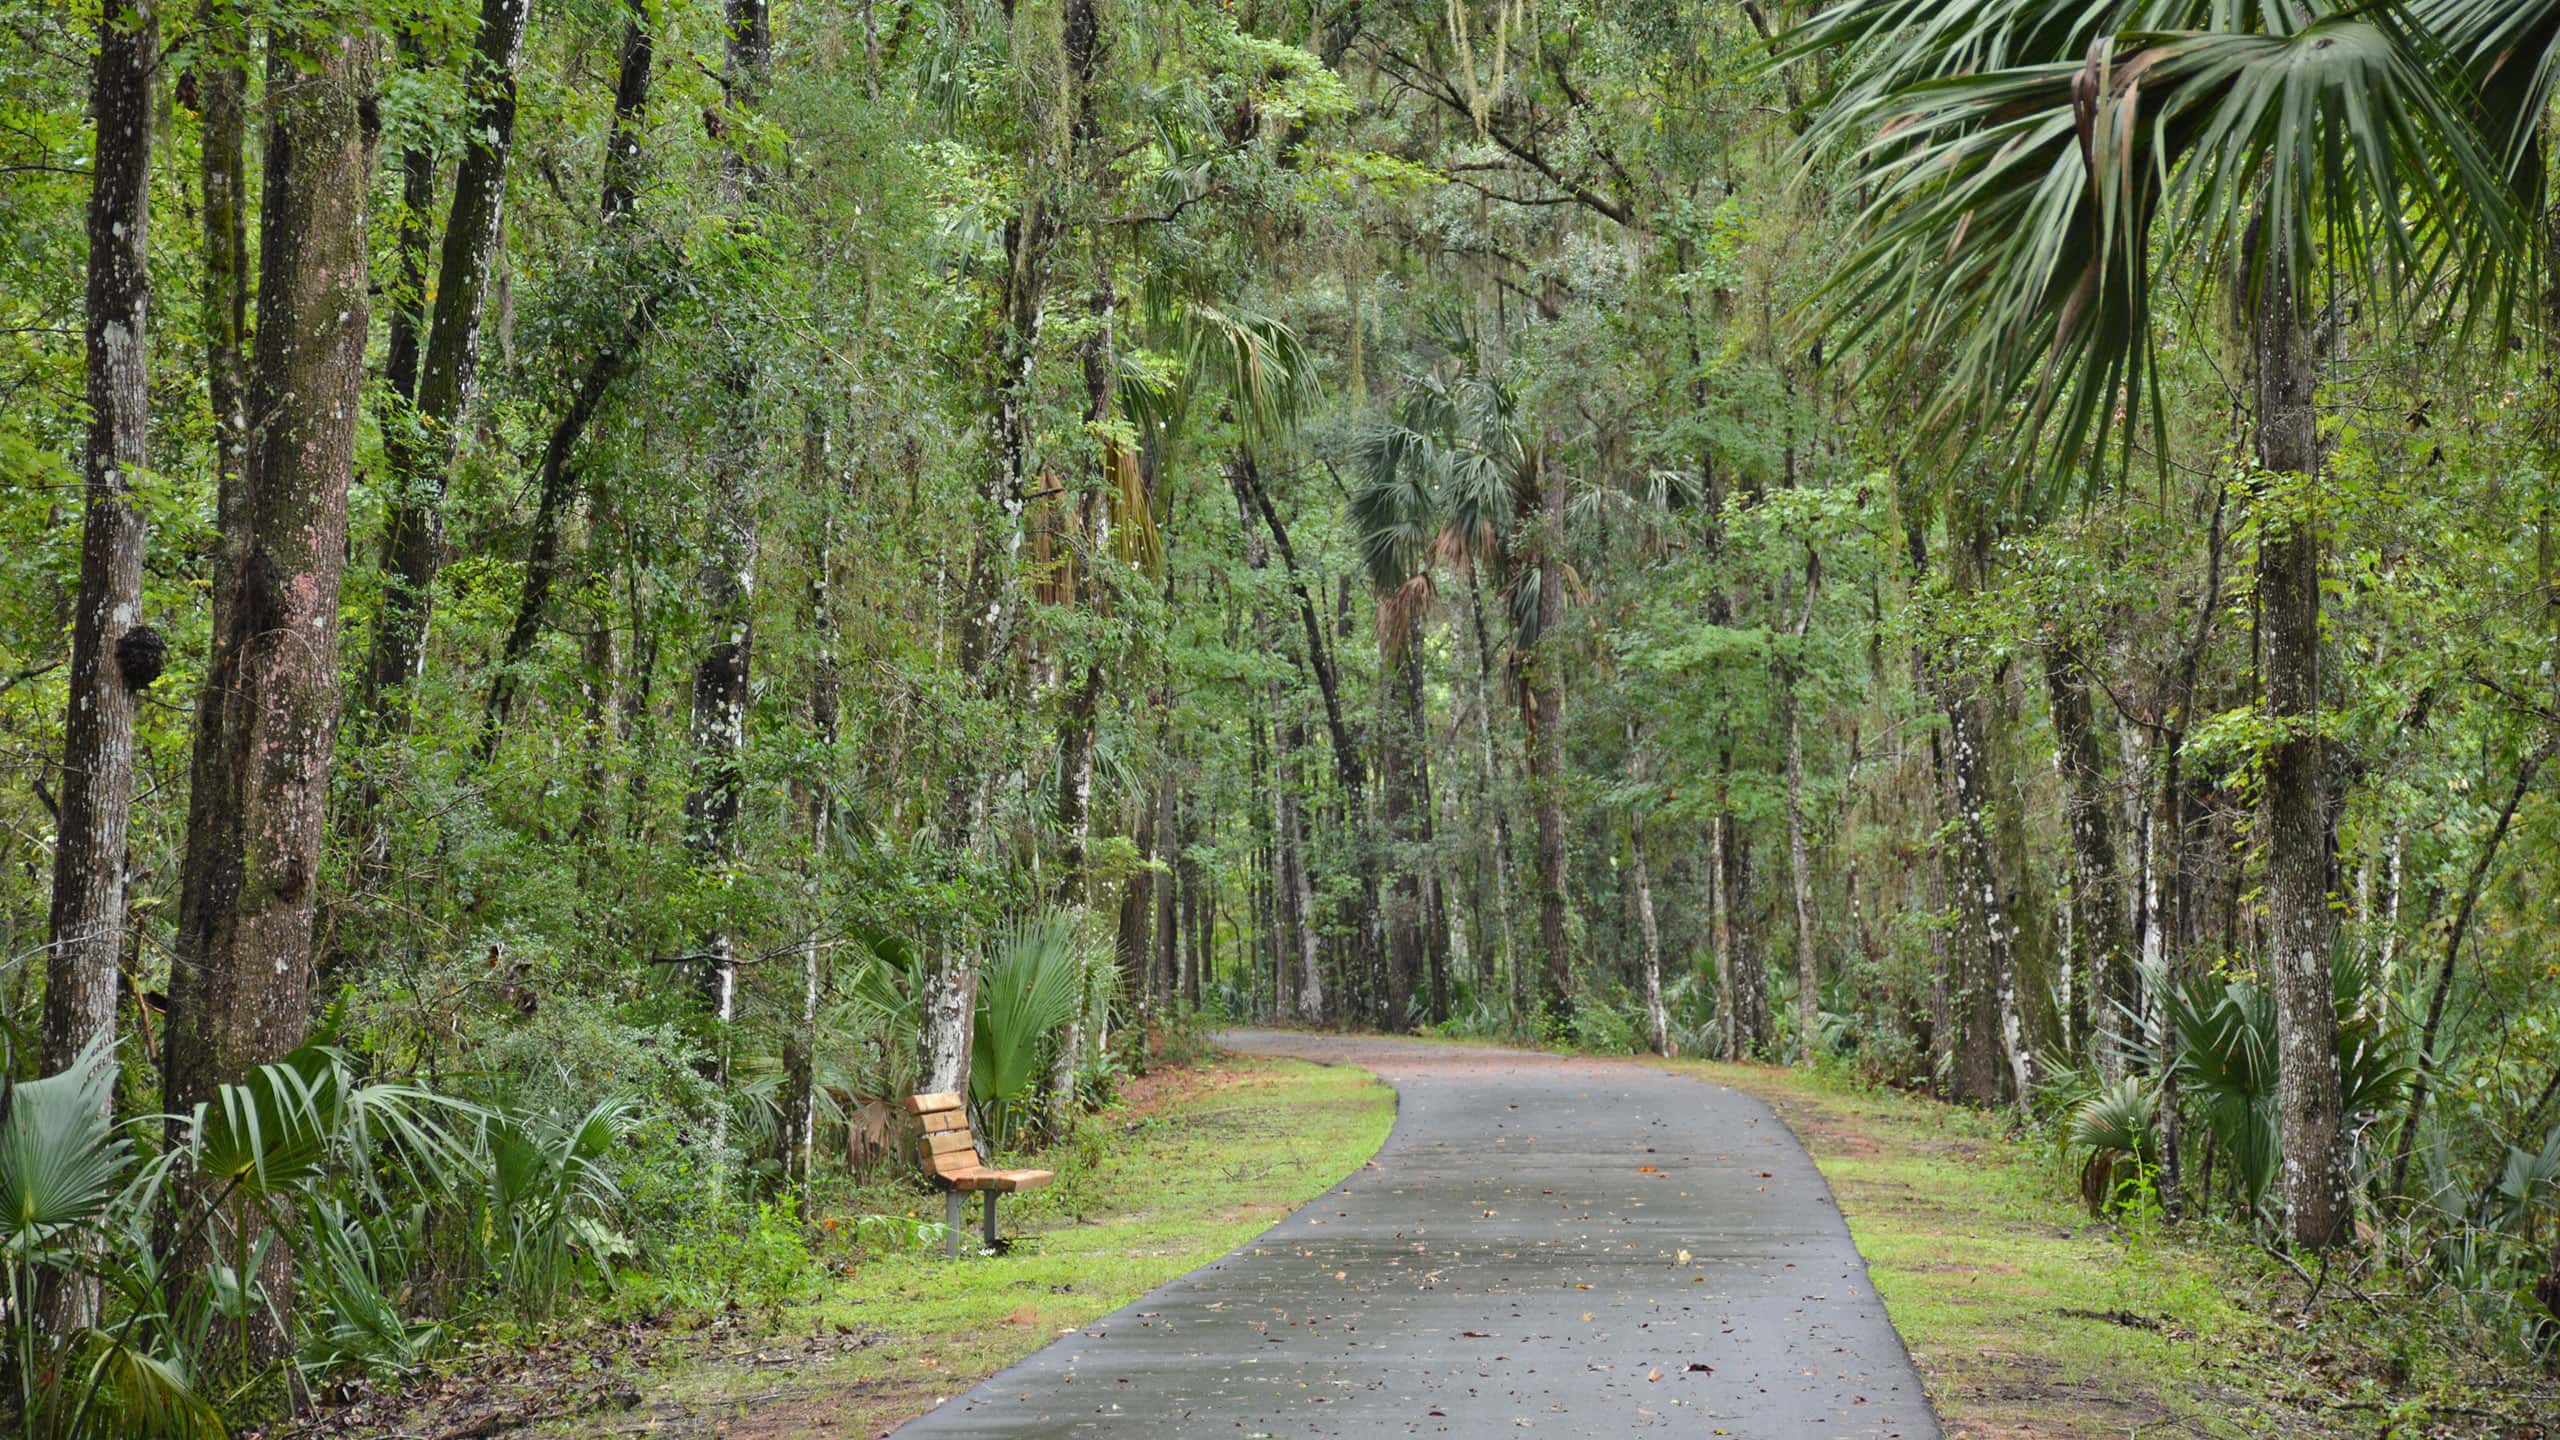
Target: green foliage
(1038, 977)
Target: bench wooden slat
(948, 1141)
(1001, 1181)
(941, 1120)
(928, 1104)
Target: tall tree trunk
(1799, 862)
(1136, 945)
(1299, 896)
(2105, 982)
(1168, 917)
(1720, 940)
(421, 445)
(1076, 725)
(1985, 998)
(725, 583)
(240, 994)
(1758, 1026)
(1543, 704)
(990, 610)
(1349, 770)
(556, 489)
(1399, 744)
(1657, 1019)
(1984, 956)
(2318, 1205)
(800, 1045)
(1490, 799)
(1433, 916)
(221, 86)
(113, 654)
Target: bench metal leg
(951, 1224)
(991, 1219)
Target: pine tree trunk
(2318, 1206)
(241, 996)
(113, 655)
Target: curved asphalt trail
(1510, 1264)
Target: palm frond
(61, 1159)
(2013, 211)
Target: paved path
(1544, 1247)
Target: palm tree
(2022, 159)
(1457, 478)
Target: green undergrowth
(2028, 1318)
(1191, 1166)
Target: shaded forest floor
(2028, 1319)
(1191, 1163)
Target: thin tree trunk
(2318, 1206)
(1490, 798)
(1349, 770)
(421, 446)
(725, 583)
(1543, 704)
(2097, 904)
(2442, 990)
(244, 945)
(1426, 865)
(1799, 863)
(1657, 1019)
(1301, 901)
(989, 609)
(800, 1046)
(557, 488)
(1720, 933)
(1404, 918)
(113, 655)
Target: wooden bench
(950, 1155)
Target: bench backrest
(947, 1149)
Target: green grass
(1201, 1163)
(2028, 1318)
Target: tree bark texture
(240, 989)
(2104, 994)
(113, 655)
(2317, 1203)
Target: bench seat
(1007, 1181)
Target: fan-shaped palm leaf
(2013, 208)
(61, 1159)
(1032, 986)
